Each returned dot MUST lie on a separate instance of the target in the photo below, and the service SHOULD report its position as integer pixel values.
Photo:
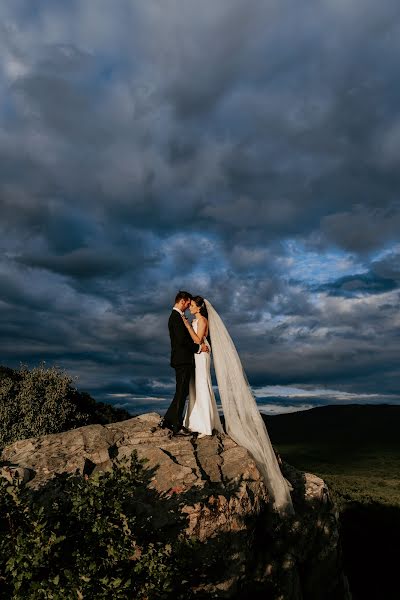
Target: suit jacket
(183, 347)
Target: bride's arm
(201, 329)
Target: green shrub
(95, 537)
(42, 401)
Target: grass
(356, 450)
(368, 475)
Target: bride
(243, 421)
(202, 413)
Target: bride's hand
(186, 321)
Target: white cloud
(320, 393)
(281, 409)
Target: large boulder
(225, 503)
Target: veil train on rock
(243, 421)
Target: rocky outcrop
(225, 503)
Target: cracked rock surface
(224, 498)
(182, 461)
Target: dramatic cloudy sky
(245, 150)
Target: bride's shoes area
(183, 431)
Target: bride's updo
(199, 301)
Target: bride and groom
(191, 358)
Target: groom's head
(182, 300)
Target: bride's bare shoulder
(202, 320)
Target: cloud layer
(244, 150)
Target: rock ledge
(224, 496)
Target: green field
(371, 474)
(356, 450)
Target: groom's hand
(205, 348)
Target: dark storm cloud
(363, 229)
(369, 283)
(80, 263)
(389, 266)
(150, 147)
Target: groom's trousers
(174, 415)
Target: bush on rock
(89, 537)
(42, 401)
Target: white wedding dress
(202, 413)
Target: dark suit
(182, 360)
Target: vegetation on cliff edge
(44, 400)
(91, 537)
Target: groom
(182, 360)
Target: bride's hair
(199, 301)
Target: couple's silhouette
(191, 359)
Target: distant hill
(356, 450)
(337, 424)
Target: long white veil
(243, 421)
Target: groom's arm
(181, 336)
